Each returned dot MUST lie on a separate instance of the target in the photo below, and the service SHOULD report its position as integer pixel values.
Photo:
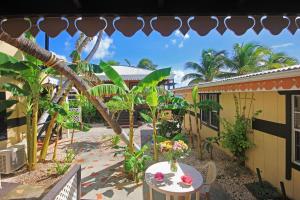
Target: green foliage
(115, 140)
(168, 129)
(70, 156)
(61, 168)
(235, 134)
(209, 105)
(135, 162)
(113, 75)
(146, 63)
(106, 90)
(14, 89)
(208, 144)
(88, 111)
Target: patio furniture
(172, 184)
(209, 172)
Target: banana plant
(28, 76)
(130, 97)
(195, 108)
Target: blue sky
(175, 50)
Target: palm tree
(146, 63)
(210, 67)
(129, 97)
(36, 51)
(113, 62)
(247, 58)
(279, 60)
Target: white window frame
(293, 146)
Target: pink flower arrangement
(174, 149)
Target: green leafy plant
(129, 97)
(70, 156)
(235, 134)
(61, 168)
(135, 162)
(115, 140)
(208, 144)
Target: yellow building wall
(16, 134)
(268, 154)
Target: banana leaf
(14, 89)
(152, 79)
(107, 89)
(113, 75)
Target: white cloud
(174, 41)
(282, 45)
(180, 44)
(166, 46)
(178, 77)
(60, 56)
(103, 50)
(67, 45)
(180, 35)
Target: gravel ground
(230, 175)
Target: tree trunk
(154, 139)
(199, 142)
(131, 131)
(95, 48)
(56, 143)
(33, 49)
(50, 127)
(191, 130)
(35, 109)
(29, 140)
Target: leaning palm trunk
(64, 90)
(33, 49)
(80, 46)
(82, 42)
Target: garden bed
(231, 176)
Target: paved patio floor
(102, 176)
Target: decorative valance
(165, 25)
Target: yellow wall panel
(268, 154)
(271, 159)
(296, 184)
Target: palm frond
(192, 76)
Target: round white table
(172, 184)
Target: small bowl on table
(159, 177)
(186, 180)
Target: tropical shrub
(62, 168)
(235, 134)
(134, 162)
(70, 156)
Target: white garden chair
(209, 173)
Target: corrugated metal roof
(129, 73)
(263, 75)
